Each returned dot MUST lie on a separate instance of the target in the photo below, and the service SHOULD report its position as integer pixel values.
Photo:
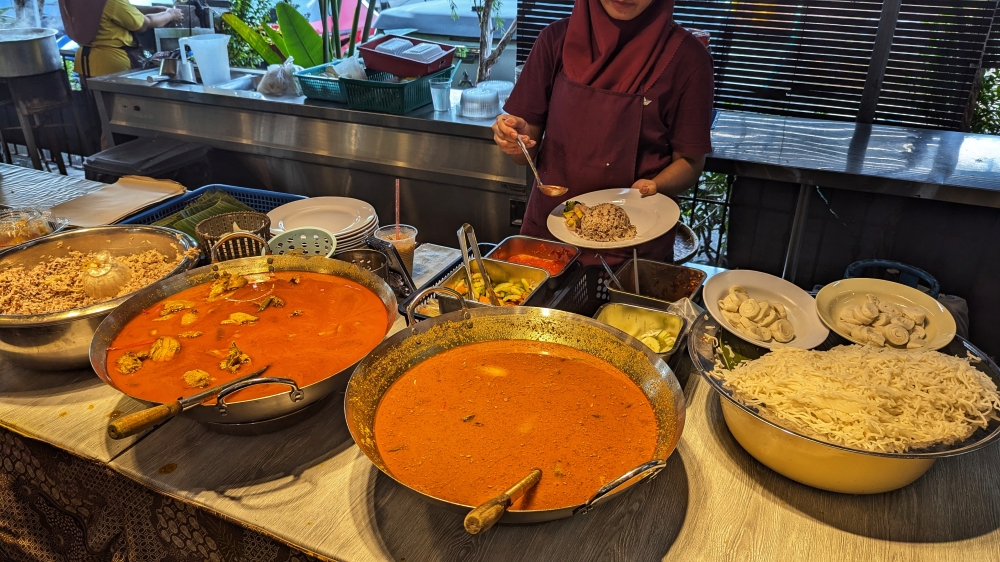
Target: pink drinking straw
(397, 209)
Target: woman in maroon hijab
(623, 97)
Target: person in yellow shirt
(104, 30)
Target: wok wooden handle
(135, 422)
(487, 514)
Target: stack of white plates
(350, 220)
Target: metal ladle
(550, 190)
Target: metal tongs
(395, 262)
(467, 236)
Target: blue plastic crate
(259, 200)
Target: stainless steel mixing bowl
(61, 340)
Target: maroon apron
(592, 143)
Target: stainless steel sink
(241, 79)
(245, 82)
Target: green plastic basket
(376, 94)
(316, 84)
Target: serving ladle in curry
(550, 190)
(133, 423)
(488, 513)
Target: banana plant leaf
(253, 38)
(276, 39)
(301, 40)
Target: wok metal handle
(295, 394)
(466, 235)
(429, 291)
(643, 471)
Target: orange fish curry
(468, 423)
(305, 326)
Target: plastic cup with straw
(402, 236)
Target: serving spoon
(489, 512)
(133, 423)
(550, 190)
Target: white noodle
(874, 399)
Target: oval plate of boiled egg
(764, 310)
(885, 314)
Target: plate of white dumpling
(885, 314)
(764, 310)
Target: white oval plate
(652, 217)
(833, 298)
(360, 234)
(339, 215)
(801, 308)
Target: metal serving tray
(546, 249)
(499, 272)
(659, 284)
(634, 320)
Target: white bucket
(211, 55)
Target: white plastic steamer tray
(652, 217)
(342, 216)
(801, 308)
(833, 298)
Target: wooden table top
(310, 486)
(67, 409)
(27, 187)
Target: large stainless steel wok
(397, 354)
(258, 409)
(61, 340)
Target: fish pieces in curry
(225, 284)
(240, 318)
(131, 361)
(234, 359)
(271, 301)
(164, 349)
(170, 307)
(196, 378)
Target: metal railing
(705, 208)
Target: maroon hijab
(82, 19)
(619, 56)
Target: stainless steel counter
(904, 161)
(455, 174)
(450, 168)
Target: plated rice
(605, 222)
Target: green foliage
(252, 37)
(301, 40)
(7, 17)
(254, 13)
(986, 115)
(276, 39)
(74, 79)
(703, 208)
